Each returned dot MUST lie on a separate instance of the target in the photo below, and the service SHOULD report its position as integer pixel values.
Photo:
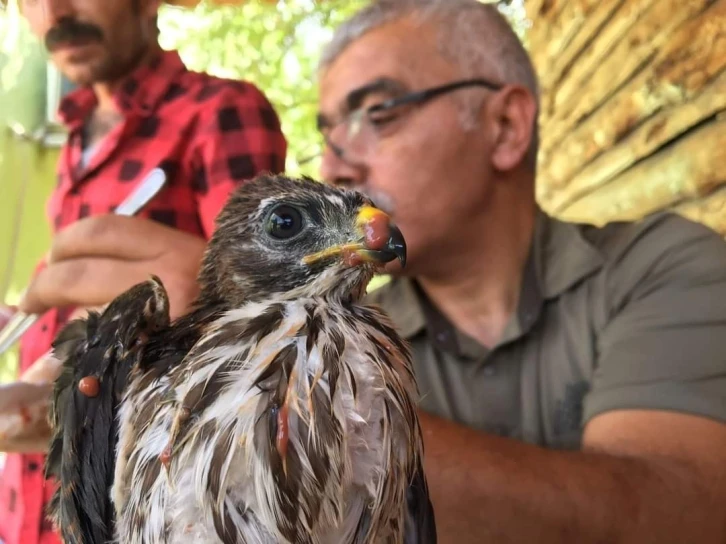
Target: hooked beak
(381, 241)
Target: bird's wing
(97, 355)
(420, 525)
(66, 513)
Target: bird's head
(287, 238)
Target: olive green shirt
(631, 315)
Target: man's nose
(52, 11)
(335, 170)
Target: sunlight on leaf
(274, 46)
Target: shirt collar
(559, 258)
(562, 255)
(139, 93)
(402, 303)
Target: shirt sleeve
(240, 137)
(664, 344)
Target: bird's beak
(380, 241)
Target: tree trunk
(633, 116)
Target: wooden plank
(588, 20)
(539, 32)
(692, 58)
(551, 55)
(629, 42)
(534, 9)
(660, 129)
(633, 35)
(561, 27)
(687, 169)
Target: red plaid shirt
(209, 135)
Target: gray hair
(472, 34)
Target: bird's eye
(284, 222)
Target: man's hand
(95, 259)
(6, 313)
(24, 417)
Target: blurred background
(633, 112)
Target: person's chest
(95, 180)
(530, 389)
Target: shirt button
(489, 370)
(32, 466)
(442, 337)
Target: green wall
(27, 170)
(27, 177)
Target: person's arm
(90, 263)
(652, 467)
(643, 477)
(94, 260)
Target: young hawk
(279, 410)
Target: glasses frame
(420, 97)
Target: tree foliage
(274, 45)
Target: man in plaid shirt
(137, 108)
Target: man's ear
(512, 114)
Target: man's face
(93, 41)
(425, 169)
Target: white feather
(180, 503)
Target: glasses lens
(353, 139)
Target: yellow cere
(366, 213)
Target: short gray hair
(474, 35)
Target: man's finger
(83, 282)
(24, 417)
(17, 394)
(114, 236)
(6, 313)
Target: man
(137, 108)
(572, 378)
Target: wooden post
(633, 113)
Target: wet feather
(279, 410)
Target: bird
(281, 408)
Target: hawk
(279, 409)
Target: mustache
(69, 30)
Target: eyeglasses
(358, 133)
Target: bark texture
(633, 116)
